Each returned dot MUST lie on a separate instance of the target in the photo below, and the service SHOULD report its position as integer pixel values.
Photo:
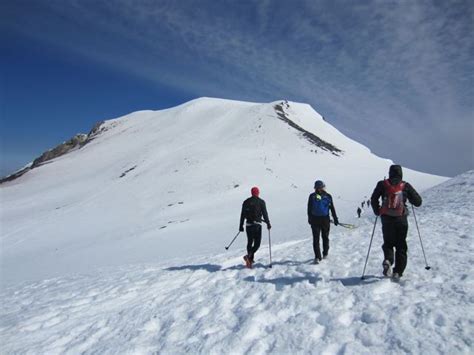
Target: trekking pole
(270, 248)
(419, 235)
(227, 247)
(347, 225)
(370, 245)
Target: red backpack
(392, 204)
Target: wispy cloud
(396, 75)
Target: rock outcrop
(282, 115)
(76, 142)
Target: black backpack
(253, 210)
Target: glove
(241, 229)
(377, 212)
(336, 221)
(309, 221)
(269, 226)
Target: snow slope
(157, 185)
(212, 305)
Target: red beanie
(255, 191)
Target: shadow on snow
(293, 262)
(206, 267)
(282, 282)
(215, 268)
(356, 280)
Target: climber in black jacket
(254, 211)
(393, 212)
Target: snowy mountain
(213, 305)
(157, 185)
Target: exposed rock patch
(282, 115)
(76, 142)
(127, 171)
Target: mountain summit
(155, 185)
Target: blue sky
(397, 76)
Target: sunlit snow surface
(166, 300)
(158, 185)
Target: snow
(214, 305)
(157, 185)
(87, 269)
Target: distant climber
(254, 211)
(319, 204)
(394, 193)
(359, 211)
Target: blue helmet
(319, 184)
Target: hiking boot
(316, 261)
(251, 258)
(396, 276)
(248, 262)
(387, 268)
(325, 256)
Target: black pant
(320, 225)
(254, 238)
(395, 231)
